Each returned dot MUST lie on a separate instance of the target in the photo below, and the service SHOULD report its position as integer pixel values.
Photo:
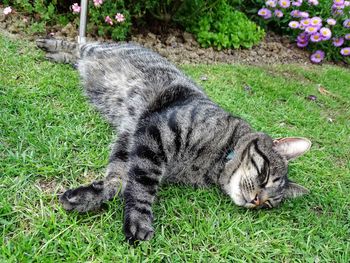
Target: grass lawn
(51, 139)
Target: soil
(178, 46)
(181, 47)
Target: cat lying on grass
(169, 131)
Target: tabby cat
(169, 131)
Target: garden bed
(178, 46)
(321, 27)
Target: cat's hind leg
(91, 197)
(58, 50)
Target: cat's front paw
(138, 227)
(84, 198)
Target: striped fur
(171, 132)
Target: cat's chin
(234, 191)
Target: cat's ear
(291, 147)
(294, 190)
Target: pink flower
(337, 42)
(304, 14)
(347, 3)
(76, 8)
(338, 2)
(311, 29)
(97, 3)
(120, 17)
(346, 23)
(284, 3)
(305, 22)
(326, 33)
(345, 51)
(302, 40)
(317, 37)
(295, 13)
(337, 12)
(316, 21)
(331, 21)
(347, 36)
(303, 37)
(313, 2)
(108, 20)
(271, 3)
(7, 10)
(339, 7)
(278, 13)
(265, 13)
(317, 57)
(293, 24)
(297, 3)
(302, 44)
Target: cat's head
(255, 174)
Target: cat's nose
(256, 201)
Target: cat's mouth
(234, 190)
(251, 205)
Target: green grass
(51, 139)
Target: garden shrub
(214, 22)
(107, 18)
(48, 11)
(321, 26)
(218, 24)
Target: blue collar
(230, 155)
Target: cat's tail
(58, 50)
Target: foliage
(117, 29)
(214, 22)
(224, 27)
(44, 12)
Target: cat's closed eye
(267, 205)
(276, 179)
(263, 185)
